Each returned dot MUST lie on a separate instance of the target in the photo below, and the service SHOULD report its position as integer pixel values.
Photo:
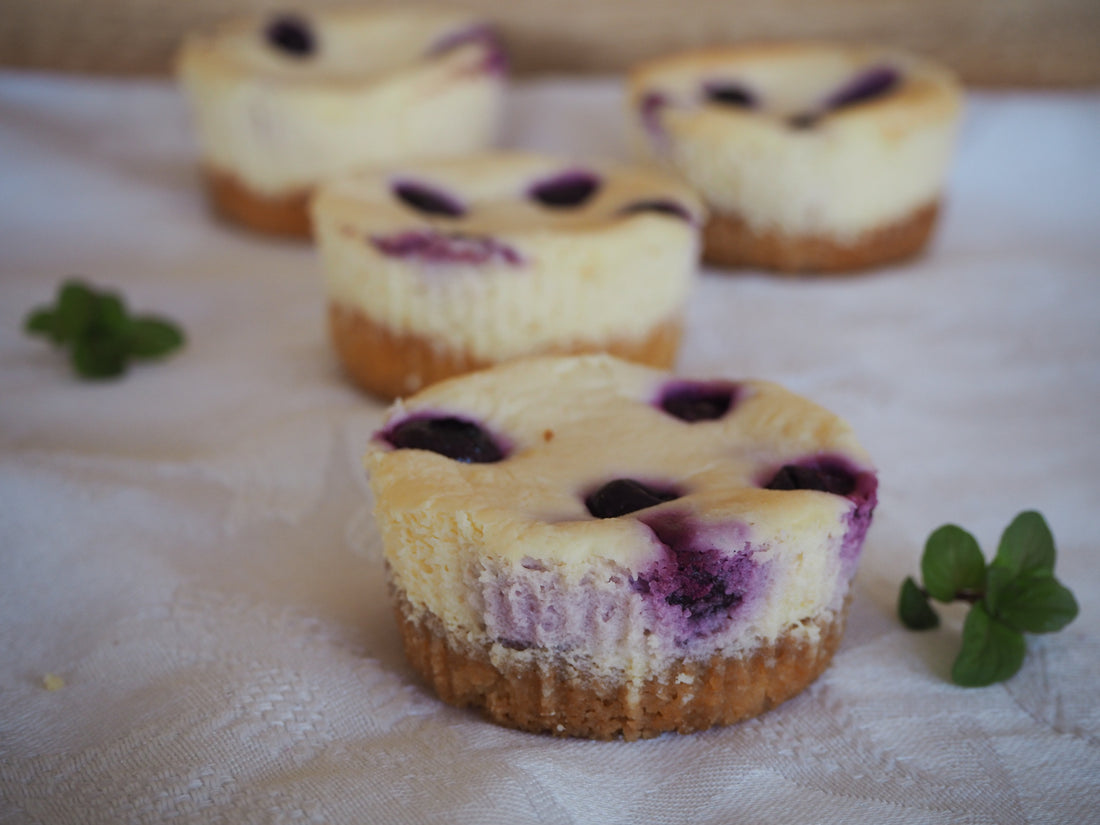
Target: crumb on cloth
(52, 682)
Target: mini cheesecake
(811, 157)
(586, 547)
(437, 268)
(283, 102)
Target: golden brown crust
(552, 697)
(233, 201)
(728, 241)
(390, 364)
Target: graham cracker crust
(391, 364)
(234, 202)
(728, 241)
(550, 696)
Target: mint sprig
(98, 331)
(1014, 594)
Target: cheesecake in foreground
(586, 547)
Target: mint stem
(968, 596)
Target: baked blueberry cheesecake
(440, 267)
(811, 157)
(283, 102)
(587, 547)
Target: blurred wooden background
(990, 42)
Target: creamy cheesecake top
(512, 194)
(798, 86)
(339, 47)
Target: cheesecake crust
(729, 241)
(548, 695)
(392, 364)
(232, 201)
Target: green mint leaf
(1034, 602)
(99, 357)
(1026, 545)
(991, 650)
(39, 322)
(997, 582)
(76, 307)
(109, 315)
(151, 337)
(952, 563)
(913, 608)
(98, 331)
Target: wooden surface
(990, 42)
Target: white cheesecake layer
(377, 89)
(857, 169)
(584, 274)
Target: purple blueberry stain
(868, 85)
(428, 200)
(702, 577)
(729, 94)
(659, 206)
(693, 401)
(292, 35)
(627, 495)
(429, 246)
(650, 107)
(835, 475)
(456, 438)
(495, 59)
(865, 497)
(566, 190)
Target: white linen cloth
(190, 550)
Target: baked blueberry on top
(587, 547)
(812, 157)
(436, 268)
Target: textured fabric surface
(190, 550)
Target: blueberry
(425, 199)
(650, 108)
(698, 401)
(625, 495)
(449, 436)
(566, 190)
(806, 120)
(824, 475)
(730, 94)
(868, 85)
(661, 207)
(291, 34)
